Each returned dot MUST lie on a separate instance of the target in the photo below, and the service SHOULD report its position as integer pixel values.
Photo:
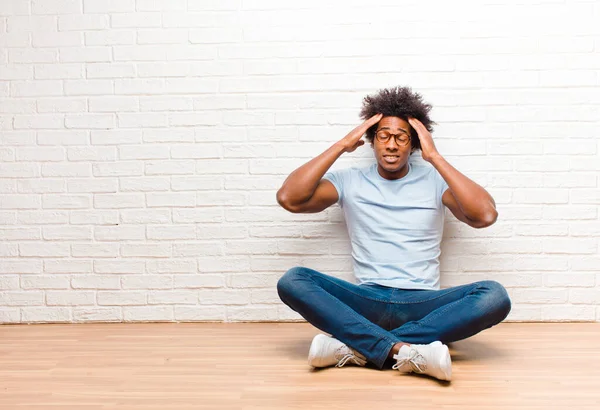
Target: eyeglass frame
(402, 144)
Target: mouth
(390, 159)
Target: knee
(287, 284)
(496, 300)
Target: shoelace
(415, 359)
(348, 356)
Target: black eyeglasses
(402, 139)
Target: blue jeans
(372, 318)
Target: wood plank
(263, 366)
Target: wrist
(435, 158)
(340, 147)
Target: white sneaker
(326, 351)
(432, 359)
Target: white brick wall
(142, 143)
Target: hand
(353, 140)
(428, 149)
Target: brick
(148, 313)
(63, 137)
(199, 281)
(70, 298)
(566, 313)
(119, 201)
(118, 266)
(20, 266)
(113, 104)
(67, 266)
(90, 121)
(200, 313)
(95, 250)
(92, 185)
(61, 105)
(122, 168)
(137, 20)
(110, 70)
(224, 296)
(85, 54)
(67, 233)
(21, 298)
(56, 39)
(173, 297)
(59, 201)
(56, 7)
(147, 282)
(118, 233)
(177, 265)
(16, 72)
(9, 282)
(82, 22)
(95, 282)
(97, 314)
(256, 313)
(44, 250)
(108, 6)
(146, 250)
(122, 298)
(169, 233)
(30, 23)
(93, 154)
(36, 88)
(109, 37)
(45, 314)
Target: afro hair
(399, 102)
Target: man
(394, 212)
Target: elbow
(488, 219)
(284, 202)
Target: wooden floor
(263, 366)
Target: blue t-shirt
(395, 226)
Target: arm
(467, 200)
(304, 190)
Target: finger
(367, 124)
(415, 123)
(375, 118)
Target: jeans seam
(422, 322)
(386, 352)
(364, 320)
(353, 292)
(426, 300)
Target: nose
(391, 144)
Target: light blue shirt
(395, 226)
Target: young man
(394, 212)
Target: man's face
(392, 155)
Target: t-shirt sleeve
(336, 177)
(440, 184)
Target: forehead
(393, 123)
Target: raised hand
(428, 149)
(353, 140)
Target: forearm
(474, 201)
(301, 184)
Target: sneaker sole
(315, 350)
(446, 364)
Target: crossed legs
(375, 320)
